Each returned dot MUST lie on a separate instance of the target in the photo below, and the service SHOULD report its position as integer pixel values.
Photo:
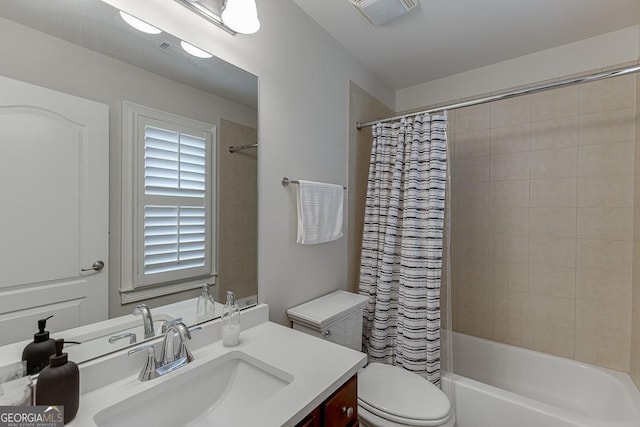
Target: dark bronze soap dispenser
(59, 384)
(37, 353)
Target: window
(168, 222)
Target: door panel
(54, 189)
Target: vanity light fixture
(139, 24)
(241, 16)
(189, 48)
(233, 16)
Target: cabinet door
(314, 419)
(341, 409)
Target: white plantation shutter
(168, 203)
(174, 163)
(175, 206)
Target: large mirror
(83, 99)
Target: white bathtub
(499, 385)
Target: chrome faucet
(169, 360)
(168, 323)
(168, 355)
(147, 320)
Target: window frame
(133, 285)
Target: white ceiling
(445, 37)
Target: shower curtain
(401, 261)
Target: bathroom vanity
(339, 410)
(276, 376)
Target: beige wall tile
(605, 159)
(512, 331)
(612, 190)
(509, 248)
(510, 166)
(470, 274)
(469, 195)
(545, 310)
(552, 252)
(603, 350)
(552, 268)
(509, 220)
(603, 317)
(552, 281)
(555, 192)
(555, 103)
(511, 111)
(509, 193)
(605, 223)
(476, 303)
(556, 163)
(607, 255)
(472, 144)
(471, 169)
(517, 307)
(511, 139)
(473, 118)
(609, 94)
(553, 340)
(237, 216)
(471, 221)
(602, 285)
(470, 247)
(553, 222)
(555, 133)
(510, 276)
(607, 127)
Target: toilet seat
(400, 396)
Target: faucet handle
(149, 369)
(130, 335)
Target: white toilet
(388, 396)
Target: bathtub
(499, 385)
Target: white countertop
(318, 367)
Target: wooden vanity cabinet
(339, 410)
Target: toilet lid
(398, 392)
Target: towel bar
(286, 181)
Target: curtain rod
(518, 92)
(233, 149)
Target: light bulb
(241, 16)
(139, 24)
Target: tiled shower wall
(237, 212)
(542, 221)
(635, 311)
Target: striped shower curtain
(400, 267)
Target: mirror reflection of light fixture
(233, 16)
(139, 24)
(241, 16)
(189, 48)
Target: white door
(54, 151)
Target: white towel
(320, 209)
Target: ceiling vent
(380, 11)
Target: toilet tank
(336, 317)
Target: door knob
(97, 266)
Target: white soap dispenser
(231, 321)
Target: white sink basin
(213, 393)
